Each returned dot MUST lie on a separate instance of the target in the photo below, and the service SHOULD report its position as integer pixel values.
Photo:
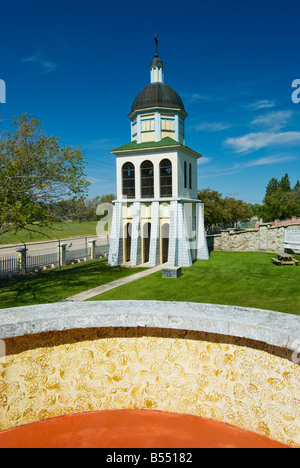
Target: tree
(238, 210)
(35, 173)
(214, 207)
(220, 211)
(281, 201)
(257, 210)
(108, 198)
(296, 188)
(285, 184)
(82, 209)
(280, 205)
(272, 186)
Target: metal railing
(78, 254)
(9, 264)
(25, 259)
(44, 259)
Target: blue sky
(78, 65)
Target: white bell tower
(157, 217)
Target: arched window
(165, 178)
(185, 175)
(147, 180)
(128, 180)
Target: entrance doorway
(127, 242)
(146, 241)
(165, 242)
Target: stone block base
(174, 272)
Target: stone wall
(265, 238)
(286, 222)
(230, 364)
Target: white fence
(101, 250)
(9, 264)
(29, 261)
(77, 254)
(33, 261)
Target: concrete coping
(273, 328)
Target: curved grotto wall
(234, 365)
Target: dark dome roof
(156, 62)
(157, 94)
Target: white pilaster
(138, 129)
(154, 254)
(136, 251)
(156, 74)
(137, 172)
(173, 234)
(202, 249)
(157, 120)
(115, 256)
(176, 124)
(183, 244)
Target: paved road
(51, 246)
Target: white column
(137, 173)
(136, 247)
(156, 179)
(183, 244)
(202, 249)
(157, 123)
(115, 256)
(131, 131)
(176, 128)
(154, 254)
(173, 234)
(151, 75)
(138, 129)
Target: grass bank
(54, 285)
(60, 230)
(232, 278)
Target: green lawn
(232, 278)
(54, 285)
(60, 230)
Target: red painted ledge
(132, 429)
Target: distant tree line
(222, 212)
(281, 201)
(82, 210)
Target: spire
(156, 42)
(156, 67)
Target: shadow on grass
(54, 285)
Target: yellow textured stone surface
(245, 387)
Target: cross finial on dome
(156, 42)
(156, 66)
